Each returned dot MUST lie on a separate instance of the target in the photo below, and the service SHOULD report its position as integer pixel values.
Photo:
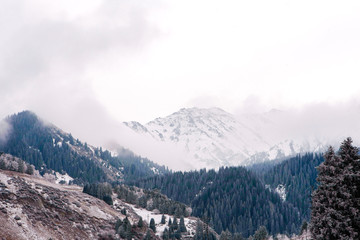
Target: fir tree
(238, 236)
(199, 233)
(177, 234)
(165, 234)
(225, 235)
(261, 233)
(2, 164)
(182, 226)
(336, 201)
(175, 224)
(108, 199)
(20, 166)
(118, 224)
(148, 235)
(152, 225)
(163, 219)
(125, 229)
(123, 211)
(29, 169)
(140, 223)
(304, 227)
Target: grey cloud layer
(40, 54)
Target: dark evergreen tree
(261, 233)
(108, 199)
(182, 226)
(123, 211)
(140, 223)
(165, 234)
(336, 203)
(152, 225)
(238, 236)
(177, 234)
(148, 235)
(21, 166)
(304, 227)
(163, 219)
(199, 231)
(2, 164)
(175, 224)
(125, 229)
(117, 225)
(225, 235)
(29, 169)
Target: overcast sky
(104, 61)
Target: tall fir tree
(140, 223)
(182, 226)
(163, 219)
(226, 235)
(152, 225)
(336, 201)
(148, 235)
(165, 234)
(261, 233)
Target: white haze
(328, 123)
(5, 130)
(88, 65)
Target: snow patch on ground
(4, 179)
(281, 190)
(147, 215)
(62, 177)
(155, 170)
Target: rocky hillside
(32, 207)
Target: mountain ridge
(49, 148)
(214, 138)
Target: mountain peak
(26, 114)
(196, 112)
(212, 137)
(197, 109)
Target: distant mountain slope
(49, 148)
(232, 198)
(215, 138)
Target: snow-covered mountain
(214, 137)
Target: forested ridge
(48, 148)
(335, 211)
(232, 198)
(237, 200)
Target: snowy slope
(215, 138)
(190, 222)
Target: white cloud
(5, 130)
(85, 64)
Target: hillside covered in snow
(212, 138)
